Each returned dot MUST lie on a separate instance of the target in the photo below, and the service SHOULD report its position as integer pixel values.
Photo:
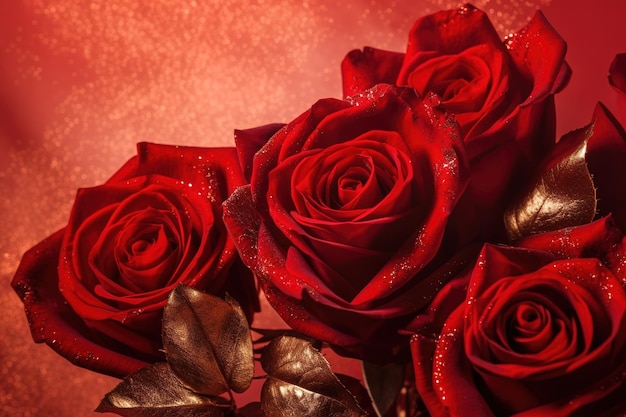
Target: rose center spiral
(146, 250)
(356, 185)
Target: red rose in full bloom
(347, 207)
(542, 331)
(95, 290)
(500, 92)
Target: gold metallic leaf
(207, 342)
(300, 383)
(562, 195)
(383, 384)
(154, 391)
(250, 410)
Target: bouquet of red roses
(429, 224)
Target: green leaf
(154, 391)
(561, 195)
(301, 383)
(207, 342)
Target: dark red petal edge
(361, 70)
(617, 73)
(606, 153)
(249, 141)
(539, 52)
(52, 321)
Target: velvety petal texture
(363, 69)
(487, 83)
(347, 208)
(249, 141)
(606, 152)
(542, 331)
(97, 293)
(499, 91)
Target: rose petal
(606, 153)
(474, 86)
(452, 378)
(617, 73)
(362, 70)
(52, 321)
(539, 52)
(249, 141)
(451, 31)
(78, 277)
(273, 150)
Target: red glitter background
(82, 82)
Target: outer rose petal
(606, 153)
(362, 70)
(249, 141)
(531, 115)
(444, 375)
(52, 321)
(617, 73)
(592, 239)
(539, 53)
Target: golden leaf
(300, 383)
(562, 195)
(207, 342)
(154, 391)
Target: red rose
(346, 209)
(542, 331)
(489, 85)
(501, 93)
(95, 290)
